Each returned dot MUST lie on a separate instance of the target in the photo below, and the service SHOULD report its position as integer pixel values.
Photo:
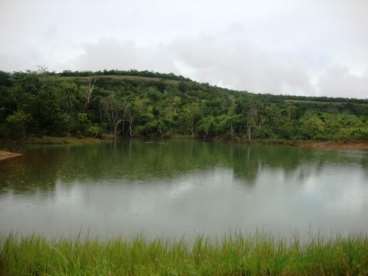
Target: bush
(17, 124)
(95, 131)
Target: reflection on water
(179, 188)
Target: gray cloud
(294, 47)
(338, 81)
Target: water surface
(180, 188)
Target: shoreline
(47, 140)
(332, 145)
(67, 140)
(5, 155)
(308, 144)
(58, 140)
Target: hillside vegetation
(142, 103)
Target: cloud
(205, 58)
(289, 47)
(338, 81)
(109, 53)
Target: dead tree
(90, 88)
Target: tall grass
(231, 256)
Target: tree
(115, 110)
(17, 124)
(206, 126)
(90, 88)
(191, 115)
(55, 104)
(251, 120)
(312, 126)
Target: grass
(231, 256)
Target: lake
(182, 188)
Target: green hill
(143, 103)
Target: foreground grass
(231, 256)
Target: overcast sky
(302, 47)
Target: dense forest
(143, 103)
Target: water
(180, 188)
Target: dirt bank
(4, 155)
(330, 145)
(323, 145)
(49, 140)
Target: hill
(143, 103)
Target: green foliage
(313, 126)
(95, 131)
(132, 103)
(17, 124)
(83, 123)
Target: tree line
(143, 103)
